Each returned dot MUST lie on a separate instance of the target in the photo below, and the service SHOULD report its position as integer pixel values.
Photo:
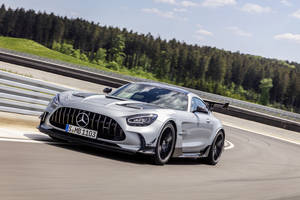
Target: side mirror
(200, 110)
(107, 90)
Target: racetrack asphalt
(258, 167)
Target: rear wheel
(165, 145)
(216, 149)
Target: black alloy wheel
(165, 145)
(216, 149)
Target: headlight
(141, 119)
(55, 100)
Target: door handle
(208, 121)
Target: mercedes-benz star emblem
(82, 120)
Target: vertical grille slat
(59, 115)
(98, 121)
(56, 116)
(93, 120)
(73, 116)
(106, 127)
(115, 129)
(89, 125)
(103, 125)
(109, 123)
(68, 118)
(64, 115)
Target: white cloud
(288, 36)
(285, 2)
(188, 4)
(255, 8)
(172, 2)
(180, 10)
(204, 32)
(239, 32)
(296, 14)
(165, 14)
(201, 33)
(184, 3)
(218, 3)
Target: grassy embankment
(34, 48)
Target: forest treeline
(242, 76)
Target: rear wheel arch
(223, 131)
(216, 132)
(216, 147)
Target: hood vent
(84, 95)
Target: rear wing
(211, 104)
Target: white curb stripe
(264, 134)
(229, 145)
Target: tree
(216, 69)
(9, 21)
(115, 52)
(100, 55)
(265, 86)
(57, 30)
(238, 71)
(67, 49)
(2, 14)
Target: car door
(199, 130)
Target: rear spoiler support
(211, 104)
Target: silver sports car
(148, 118)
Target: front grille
(107, 127)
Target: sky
(268, 28)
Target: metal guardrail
(39, 91)
(24, 95)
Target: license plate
(81, 131)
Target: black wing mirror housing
(107, 90)
(201, 110)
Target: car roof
(173, 88)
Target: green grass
(34, 48)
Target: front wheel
(216, 149)
(165, 145)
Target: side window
(197, 102)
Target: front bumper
(134, 142)
(93, 143)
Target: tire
(165, 144)
(216, 149)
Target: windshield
(162, 97)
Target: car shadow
(139, 159)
